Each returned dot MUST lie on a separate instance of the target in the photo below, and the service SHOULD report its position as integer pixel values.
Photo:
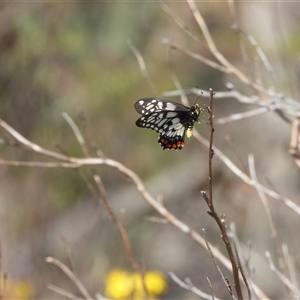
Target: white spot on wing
(171, 114)
(175, 121)
(178, 126)
(160, 124)
(170, 106)
(141, 102)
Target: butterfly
(171, 120)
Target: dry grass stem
(260, 53)
(289, 261)
(287, 202)
(242, 262)
(211, 44)
(63, 292)
(187, 285)
(68, 252)
(282, 277)
(264, 200)
(72, 162)
(143, 68)
(295, 138)
(176, 81)
(194, 55)
(226, 282)
(219, 219)
(178, 21)
(71, 275)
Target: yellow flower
(16, 289)
(124, 285)
(155, 282)
(118, 284)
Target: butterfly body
(171, 120)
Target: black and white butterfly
(170, 119)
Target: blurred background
(58, 56)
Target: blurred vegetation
(56, 57)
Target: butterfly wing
(145, 106)
(170, 119)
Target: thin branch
(68, 253)
(143, 68)
(241, 269)
(264, 200)
(79, 162)
(282, 277)
(87, 135)
(100, 297)
(289, 261)
(190, 287)
(104, 202)
(236, 154)
(210, 147)
(243, 263)
(62, 292)
(71, 162)
(217, 266)
(211, 288)
(211, 44)
(241, 116)
(260, 53)
(294, 143)
(287, 202)
(219, 219)
(287, 109)
(194, 55)
(22, 142)
(176, 81)
(178, 21)
(71, 275)
(122, 231)
(76, 131)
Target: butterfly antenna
(201, 93)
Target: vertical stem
(211, 151)
(221, 220)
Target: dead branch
(219, 219)
(71, 275)
(72, 162)
(188, 285)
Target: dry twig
(282, 277)
(71, 275)
(72, 162)
(62, 292)
(188, 285)
(220, 220)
